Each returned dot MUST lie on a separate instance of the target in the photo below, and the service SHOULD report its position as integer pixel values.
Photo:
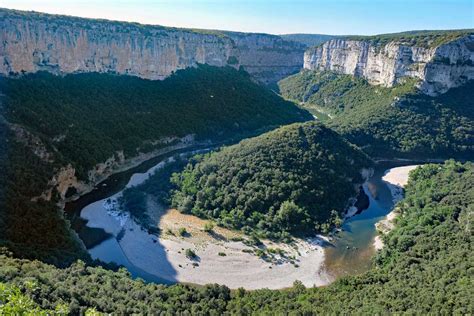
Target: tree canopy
(297, 178)
(389, 122)
(425, 267)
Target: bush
(190, 254)
(209, 227)
(183, 232)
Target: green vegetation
(425, 267)
(190, 254)
(389, 122)
(285, 181)
(80, 287)
(426, 39)
(14, 302)
(31, 229)
(84, 119)
(183, 232)
(209, 227)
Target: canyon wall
(31, 42)
(268, 58)
(438, 68)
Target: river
(348, 252)
(352, 248)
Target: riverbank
(222, 256)
(396, 179)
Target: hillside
(291, 180)
(389, 122)
(438, 60)
(423, 267)
(33, 41)
(75, 128)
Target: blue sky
(278, 16)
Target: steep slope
(268, 58)
(440, 60)
(424, 268)
(388, 122)
(290, 180)
(77, 129)
(33, 42)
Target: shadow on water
(103, 233)
(112, 185)
(352, 248)
(142, 248)
(326, 244)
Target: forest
(389, 122)
(84, 119)
(295, 179)
(425, 266)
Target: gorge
(147, 169)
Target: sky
(337, 17)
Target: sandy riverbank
(396, 179)
(221, 258)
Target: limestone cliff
(31, 42)
(268, 58)
(438, 67)
(69, 187)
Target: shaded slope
(84, 119)
(389, 122)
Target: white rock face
(31, 42)
(268, 58)
(439, 68)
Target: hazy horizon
(348, 17)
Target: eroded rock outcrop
(438, 68)
(68, 186)
(31, 42)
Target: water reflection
(353, 246)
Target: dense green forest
(31, 229)
(389, 122)
(297, 178)
(83, 119)
(425, 267)
(86, 118)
